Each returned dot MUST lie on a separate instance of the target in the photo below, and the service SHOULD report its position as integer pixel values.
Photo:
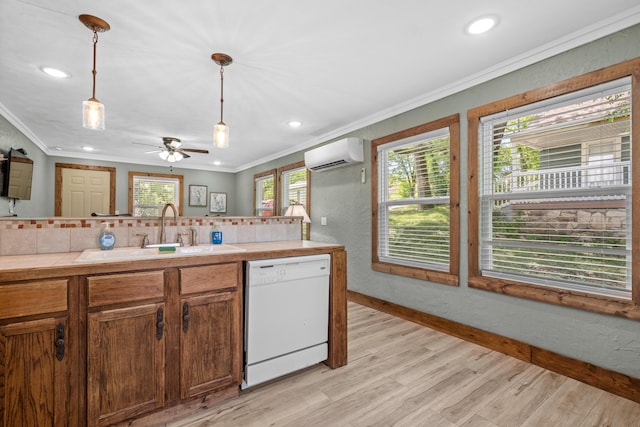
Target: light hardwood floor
(403, 374)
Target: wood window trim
(180, 179)
(452, 276)
(297, 165)
(597, 303)
(257, 176)
(58, 184)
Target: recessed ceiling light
(87, 148)
(295, 123)
(217, 162)
(54, 72)
(481, 25)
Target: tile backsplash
(40, 236)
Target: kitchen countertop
(24, 267)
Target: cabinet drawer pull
(60, 341)
(159, 323)
(185, 316)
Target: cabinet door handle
(60, 341)
(185, 316)
(159, 323)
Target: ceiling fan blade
(195, 150)
(186, 156)
(142, 143)
(153, 151)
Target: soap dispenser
(106, 240)
(216, 234)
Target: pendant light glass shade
(93, 114)
(221, 135)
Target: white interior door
(85, 192)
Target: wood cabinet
(125, 346)
(131, 368)
(210, 344)
(36, 353)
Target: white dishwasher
(286, 316)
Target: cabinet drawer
(209, 278)
(46, 296)
(129, 287)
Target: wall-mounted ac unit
(335, 154)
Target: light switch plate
(323, 220)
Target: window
(552, 203)
(294, 189)
(415, 197)
(148, 193)
(264, 193)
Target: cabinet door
(125, 366)
(209, 343)
(34, 373)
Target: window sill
(417, 273)
(575, 299)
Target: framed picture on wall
(217, 202)
(198, 195)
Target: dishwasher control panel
(267, 271)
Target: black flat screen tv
(17, 173)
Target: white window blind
(555, 193)
(265, 195)
(294, 188)
(413, 201)
(150, 194)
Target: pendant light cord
(221, 92)
(94, 72)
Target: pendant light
(221, 130)
(92, 109)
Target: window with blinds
(294, 188)
(555, 191)
(264, 191)
(151, 193)
(413, 201)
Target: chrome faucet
(163, 236)
(194, 237)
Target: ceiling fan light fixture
(92, 109)
(163, 155)
(176, 156)
(221, 130)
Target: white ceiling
(335, 65)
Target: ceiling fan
(172, 151)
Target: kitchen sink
(130, 254)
